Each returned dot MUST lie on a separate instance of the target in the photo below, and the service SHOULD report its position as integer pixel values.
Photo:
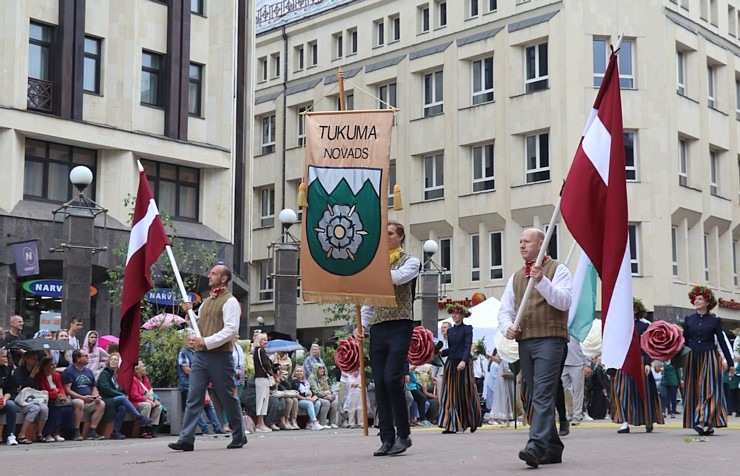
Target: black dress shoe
(384, 448)
(623, 430)
(237, 444)
(181, 446)
(401, 445)
(552, 459)
(564, 428)
(448, 432)
(649, 429)
(530, 458)
(699, 428)
(709, 432)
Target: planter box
(170, 398)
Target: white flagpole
(180, 284)
(540, 255)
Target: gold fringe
(359, 300)
(397, 202)
(302, 202)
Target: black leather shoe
(237, 444)
(649, 429)
(564, 428)
(709, 432)
(699, 428)
(401, 445)
(530, 458)
(384, 448)
(552, 459)
(623, 430)
(181, 446)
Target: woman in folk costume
(459, 406)
(628, 406)
(704, 406)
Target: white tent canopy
(484, 319)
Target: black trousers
(389, 348)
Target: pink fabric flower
(347, 356)
(662, 340)
(421, 349)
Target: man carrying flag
(594, 206)
(147, 241)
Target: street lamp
(287, 218)
(284, 255)
(430, 286)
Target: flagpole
(538, 262)
(180, 284)
(570, 253)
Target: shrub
(158, 349)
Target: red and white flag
(594, 206)
(147, 241)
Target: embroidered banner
(344, 255)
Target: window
(301, 128)
(633, 233)
(483, 176)
(299, 58)
(713, 172)
(713, 12)
(442, 13)
(40, 87)
(680, 73)
(497, 254)
(338, 45)
(268, 135)
(711, 87)
(601, 54)
(196, 6)
(349, 102)
(552, 246)
(267, 207)
(424, 19)
(47, 166)
(265, 270)
(704, 9)
(737, 99)
(536, 68)
(734, 263)
(433, 93)
(483, 81)
(379, 33)
(314, 47)
(706, 257)
(473, 8)
(91, 69)
(175, 188)
(353, 41)
(151, 75)
(276, 65)
(731, 21)
(263, 69)
(445, 259)
(434, 177)
(387, 96)
(396, 28)
(492, 5)
(474, 258)
(674, 251)
(537, 156)
(391, 182)
(195, 90)
(630, 154)
(683, 163)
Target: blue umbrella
(280, 345)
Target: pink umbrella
(103, 341)
(163, 320)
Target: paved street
(592, 448)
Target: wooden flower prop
(662, 340)
(347, 356)
(591, 345)
(421, 349)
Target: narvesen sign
(168, 297)
(49, 288)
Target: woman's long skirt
(459, 405)
(628, 405)
(704, 399)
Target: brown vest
(404, 300)
(212, 319)
(539, 318)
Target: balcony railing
(39, 95)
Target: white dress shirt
(231, 313)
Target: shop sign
(51, 321)
(49, 288)
(26, 258)
(168, 297)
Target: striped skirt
(459, 405)
(704, 397)
(628, 405)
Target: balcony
(40, 95)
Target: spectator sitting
(319, 382)
(8, 392)
(109, 389)
(79, 384)
(25, 376)
(112, 347)
(353, 399)
(306, 399)
(249, 402)
(142, 396)
(97, 357)
(60, 406)
(284, 393)
(62, 358)
(237, 354)
(13, 334)
(286, 365)
(313, 358)
(418, 395)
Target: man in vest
(218, 319)
(542, 336)
(391, 329)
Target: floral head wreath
(458, 309)
(639, 308)
(704, 292)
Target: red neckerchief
(216, 292)
(528, 265)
